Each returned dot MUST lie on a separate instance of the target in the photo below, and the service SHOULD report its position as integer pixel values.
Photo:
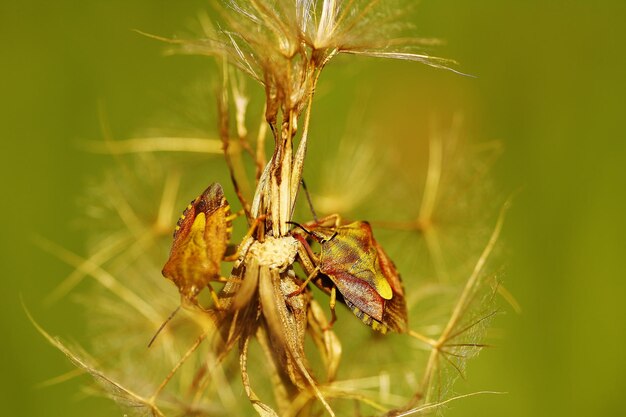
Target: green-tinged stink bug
(358, 268)
(200, 242)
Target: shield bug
(353, 264)
(200, 242)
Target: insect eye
(201, 206)
(319, 238)
(322, 238)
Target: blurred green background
(550, 86)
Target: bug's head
(325, 235)
(210, 200)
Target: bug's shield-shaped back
(200, 242)
(364, 275)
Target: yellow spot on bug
(382, 287)
(199, 223)
(197, 230)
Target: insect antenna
(308, 199)
(167, 320)
(308, 232)
(314, 235)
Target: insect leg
(214, 296)
(305, 283)
(332, 303)
(248, 235)
(233, 216)
(308, 260)
(167, 320)
(332, 220)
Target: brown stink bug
(352, 263)
(200, 242)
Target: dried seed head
(283, 44)
(275, 253)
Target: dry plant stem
(167, 206)
(137, 399)
(429, 201)
(431, 237)
(433, 179)
(285, 168)
(301, 152)
(236, 169)
(263, 409)
(240, 172)
(260, 149)
(103, 255)
(425, 222)
(430, 342)
(216, 376)
(151, 144)
(285, 325)
(328, 344)
(434, 406)
(182, 360)
(460, 306)
(472, 281)
(283, 397)
(107, 280)
(156, 144)
(241, 104)
(127, 215)
(67, 376)
(281, 178)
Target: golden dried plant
(265, 307)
